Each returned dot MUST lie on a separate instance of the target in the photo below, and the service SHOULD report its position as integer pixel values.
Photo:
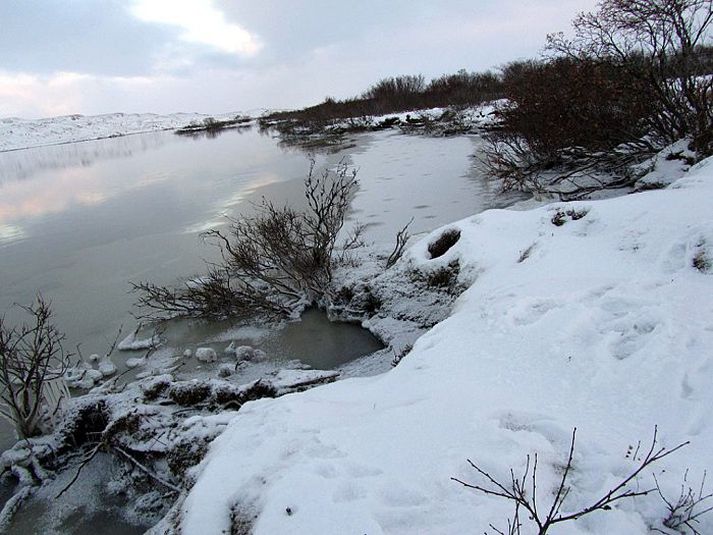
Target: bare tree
(522, 491)
(31, 356)
(273, 261)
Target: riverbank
(594, 315)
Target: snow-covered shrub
(156, 386)
(685, 511)
(702, 260)
(562, 216)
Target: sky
(61, 57)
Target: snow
(18, 133)
(133, 343)
(604, 323)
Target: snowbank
(602, 321)
(21, 133)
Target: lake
(79, 221)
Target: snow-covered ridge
(25, 133)
(592, 314)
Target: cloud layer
(98, 56)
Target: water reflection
(92, 216)
(21, 164)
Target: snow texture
(603, 322)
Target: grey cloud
(85, 36)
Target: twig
(145, 470)
(86, 461)
(515, 491)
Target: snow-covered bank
(590, 314)
(18, 133)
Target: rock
(225, 370)
(246, 353)
(82, 378)
(106, 367)
(135, 361)
(206, 354)
(187, 353)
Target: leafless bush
(522, 491)
(661, 45)
(396, 87)
(464, 88)
(569, 126)
(627, 84)
(273, 261)
(389, 95)
(684, 513)
(402, 237)
(31, 356)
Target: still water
(79, 221)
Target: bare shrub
(396, 87)
(522, 491)
(684, 512)
(568, 126)
(389, 95)
(661, 44)
(633, 79)
(31, 357)
(463, 88)
(402, 237)
(273, 262)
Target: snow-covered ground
(603, 321)
(23, 133)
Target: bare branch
(515, 492)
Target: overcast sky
(97, 56)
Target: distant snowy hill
(18, 133)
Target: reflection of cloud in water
(53, 193)
(222, 210)
(23, 164)
(50, 195)
(10, 233)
